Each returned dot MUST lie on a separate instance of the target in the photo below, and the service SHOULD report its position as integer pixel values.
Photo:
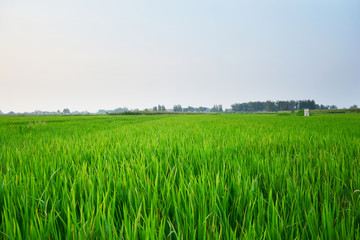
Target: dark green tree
(66, 111)
(177, 108)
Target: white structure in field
(306, 112)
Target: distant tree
(307, 104)
(120, 109)
(321, 106)
(66, 111)
(333, 107)
(202, 109)
(275, 106)
(58, 111)
(216, 108)
(353, 106)
(161, 108)
(239, 107)
(282, 105)
(155, 108)
(189, 109)
(235, 107)
(220, 108)
(1, 112)
(213, 109)
(293, 105)
(177, 108)
(253, 106)
(270, 106)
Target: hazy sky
(87, 55)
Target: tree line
(258, 106)
(274, 106)
(160, 108)
(179, 108)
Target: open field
(180, 176)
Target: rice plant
(180, 177)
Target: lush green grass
(180, 176)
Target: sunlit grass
(188, 177)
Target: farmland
(180, 176)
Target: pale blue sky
(87, 55)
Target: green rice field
(209, 176)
